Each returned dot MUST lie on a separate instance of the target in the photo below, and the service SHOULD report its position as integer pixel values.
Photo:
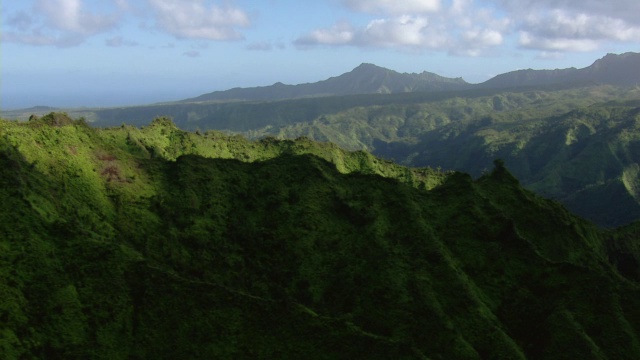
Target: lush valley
(159, 243)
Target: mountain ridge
(367, 78)
(166, 244)
(612, 69)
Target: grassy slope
(155, 243)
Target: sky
(101, 53)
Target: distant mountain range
(364, 79)
(623, 69)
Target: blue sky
(71, 53)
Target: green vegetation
(159, 243)
(586, 158)
(577, 144)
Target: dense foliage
(586, 158)
(158, 243)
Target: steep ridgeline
(613, 69)
(364, 79)
(132, 243)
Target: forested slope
(156, 243)
(586, 158)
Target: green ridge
(158, 243)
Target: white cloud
(402, 31)
(572, 25)
(399, 31)
(556, 44)
(460, 7)
(341, 33)
(475, 27)
(459, 29)
(559, 30)
(59, 23)
(483, 38)
(477, 42)
(70, 16)
(561, 24)
(393, 7)
(550, 55)
(626, 10)
(195, 20)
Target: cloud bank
(457, 27)
(65, 23)
(193, 19)
(567, 27)
(474, 28)
(59, 23)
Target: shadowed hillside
(157, 243)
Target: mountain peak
(368, 68)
